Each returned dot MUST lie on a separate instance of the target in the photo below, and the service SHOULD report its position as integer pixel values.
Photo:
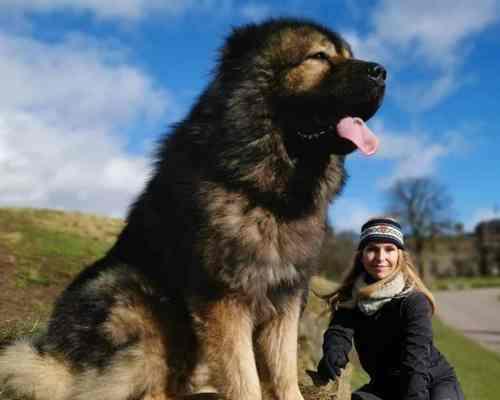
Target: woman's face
(379, 259)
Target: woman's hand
(329, 368)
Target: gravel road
(475, 312)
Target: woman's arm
(416, 347)
(337, 343)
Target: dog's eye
(320, 55)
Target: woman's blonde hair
(405, 266)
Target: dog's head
(318, 92)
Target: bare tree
(423, 208)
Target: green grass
(51, 246)
(359, 377)
(44, 255)
(458, 283)
(478, 369)
(21, 329)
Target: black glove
(330, 366)
(328, 371)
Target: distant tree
(423, 207)
(344, 247)
(337, 253)
(458, 228)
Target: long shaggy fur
(202, 291)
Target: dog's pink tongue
(355, 130)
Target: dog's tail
(25, 371)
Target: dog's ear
(243, 40)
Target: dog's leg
(225, 332)
(276, 348)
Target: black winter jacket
(395, 345)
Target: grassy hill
(41, 250)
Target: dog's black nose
(377, 72)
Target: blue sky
(89, 86)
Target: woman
(386, 309)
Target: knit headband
(381, 230)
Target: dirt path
(476, 313)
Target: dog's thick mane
(250, 155)
(251, 151)
(258, 207)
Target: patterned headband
(383, 230)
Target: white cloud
(108, 9)
(433, 36)
(432, 29)
(76, 82)
(369, 48)
(424, 96)
(349, 214)
(43, 166)
(61, 107)
(416, 153)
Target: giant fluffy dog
(204, 287)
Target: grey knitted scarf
(396, 287)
